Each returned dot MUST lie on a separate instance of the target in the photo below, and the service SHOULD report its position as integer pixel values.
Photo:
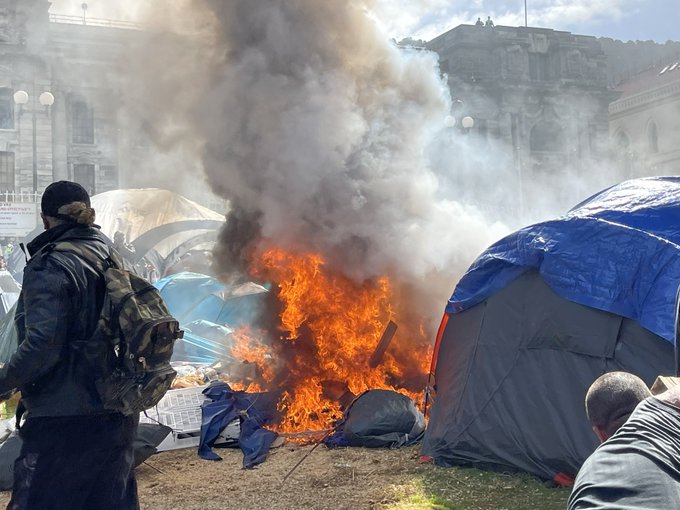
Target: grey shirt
(638, 467)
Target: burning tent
(316, 338)
(209, 311)
(198, 297)
(540, 315)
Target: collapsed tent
(154, 219)
(544, 312)
(148, 437)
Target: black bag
(383, 418)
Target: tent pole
(325, 436)
(433, 365)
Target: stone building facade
(645, 122)
(78, 136)
(539, 96)
(83, 133)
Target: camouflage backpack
(132, 344)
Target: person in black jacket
(75, 454)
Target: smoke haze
(305, 114)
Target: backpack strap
(89, 255)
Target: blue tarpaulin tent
(541, 314)
(617, 251)
(209, 310)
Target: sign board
(17, 219)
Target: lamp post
(46, 99)
(468, 123)
(520, 184)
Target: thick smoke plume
(305, 116)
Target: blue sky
(658, 20)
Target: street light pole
(46, 99)
(520, 185)
(34, 122)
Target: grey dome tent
(540, 315)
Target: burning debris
(383, 344)
(321, 352)
(328, 328)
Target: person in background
(479, 22)
(123, 247)
(75, 455)
(489, 22)
(638, 464)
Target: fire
(329, 326)
(249, 348)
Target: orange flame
(330, 327)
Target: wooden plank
(383, 344)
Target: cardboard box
(663, 383)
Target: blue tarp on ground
(617, 251)
(223, 407)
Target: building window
(6, 171)
(82, 123)
(653, 138)
(108, 171)
(622, 140)
(538, 67)
(84, 175)
(547, 137)
(108, 177)
(6, 109)
(624, 154)
(574, 65)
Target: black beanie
(61, 193)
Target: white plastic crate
(181, 411)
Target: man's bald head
(611, 399)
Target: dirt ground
(345, 478)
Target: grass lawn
(472, 489)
